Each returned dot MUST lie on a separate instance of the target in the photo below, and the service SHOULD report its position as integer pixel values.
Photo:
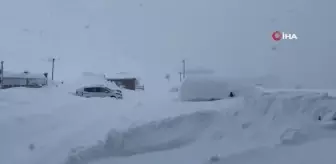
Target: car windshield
(108, 89)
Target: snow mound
(281, 118)
(308, 133)
(288, 118)
(279, 105)
(295, 122)
(22, 96)
(209, 87)
(321, 151)
(90, 79)
(161, 135)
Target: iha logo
(277, 36)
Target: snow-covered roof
(23, 75)
(94, 80)
(122, 75)
(108, 85)
(88, 74)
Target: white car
(99, 91)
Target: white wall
(37, 81)
(14, 81)
(22, 81)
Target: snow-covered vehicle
(211, 87)
(99, 91)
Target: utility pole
(183, 68)
(2, 74)
(52, 60)
(180, 76)
(53, 68)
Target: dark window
(101, 89)
(107, 90)
(87, 89)
(97, 89)
(90, 89)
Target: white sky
(151, 37)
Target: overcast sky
(151, 37)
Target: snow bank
(308, 133)
(31, 116)
(290, 105)
(208, 87)
(89, 79)
(203, 89)
(322, 151)
(299, 124)
(52, 121)
(278, 118)
(287, 117)
(161, 135)
(94, 79)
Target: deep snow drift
(162, 135)
(284, 118)
(321, 151)
(51, 126)
(41, 126)
(88, 79)
(212, 87)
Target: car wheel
(113, 97)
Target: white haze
(151, 37)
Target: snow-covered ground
(55, 121)
(51, 126)
(150, 38)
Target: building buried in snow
(24, 79)
(125, 80)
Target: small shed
(127, 83)
(125, 80)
